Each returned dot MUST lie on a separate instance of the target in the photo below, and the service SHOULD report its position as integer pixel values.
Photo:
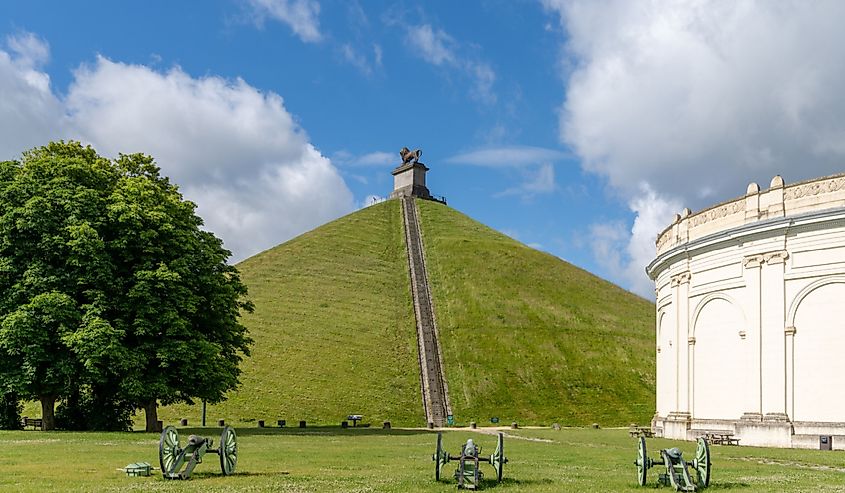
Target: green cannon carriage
(172, 456)
(678, 471)
(468, 474)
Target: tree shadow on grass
(508, 482)
(727, 486)
(311, 430)
(201, 475)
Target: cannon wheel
(228, 450)
(642, 458)
(438, 453)
(168, 449)
(702, 463)
(498, 458)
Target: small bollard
(430, 425)
(385, 425)
(221, 422)
(302, 424)
(281, 423)
(472, 425)
(261, 423)
(556, 427)
(344, 424)
(514, 425)
(183, 422)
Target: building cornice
(766, 227)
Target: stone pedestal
(409, 180)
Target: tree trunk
(48, 418)
(151, 415)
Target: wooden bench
(640, 431)
(721, 438)
(35, 423)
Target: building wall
(751, 317)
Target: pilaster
(753, 404)
(773, 340)
(680, 284)
(789, 334)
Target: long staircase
(435, 392)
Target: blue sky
(577, 127)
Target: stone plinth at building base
(676, 425)
(751, 429)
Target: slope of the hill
(333, 327)
(526, 336)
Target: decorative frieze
(663, 239)
(814, 188)
(719, 212)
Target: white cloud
(695, 99)
(359, 60)
(432, 45)
(484, 77)
(377, 158)
(438, 48)
(233, 149)
(508, 156)
(536, 181)
(302, 16)
(29, 48)
(624, 252)
(30, 114)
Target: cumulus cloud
(30, 114)
(302, 16)
(233, 149)
(685, 102)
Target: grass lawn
(336, 460)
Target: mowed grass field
(335, 460)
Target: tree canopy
(111, 292)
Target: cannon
(678, 471)
(468, 474)
(173, 457)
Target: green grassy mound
(528, 337)
(525, 336)
(333, 326)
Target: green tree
(108, 283)
(183, 301)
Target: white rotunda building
(751, 317)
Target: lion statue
(409, 156)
